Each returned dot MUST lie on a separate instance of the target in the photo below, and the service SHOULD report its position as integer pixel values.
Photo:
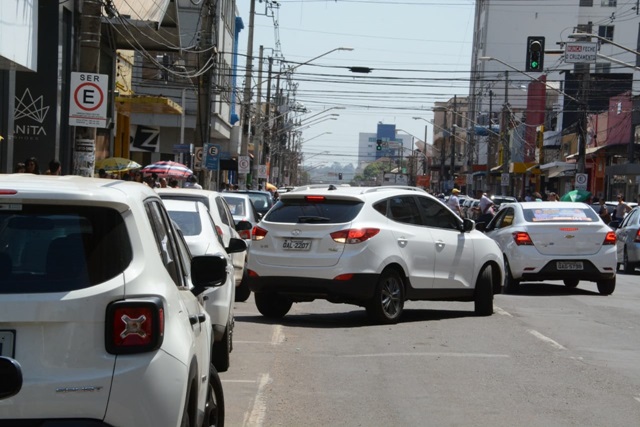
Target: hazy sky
(420, 52)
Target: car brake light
(134, 326)
(4, 192)
(314, 199)
(258, 233)
(637, 239)
(522, 238)
(219, 230)
(354, 235)
(610, 239)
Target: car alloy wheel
(387, 304)
(214, 407)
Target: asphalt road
(550, 356)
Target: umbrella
(168, 169)
(117, 164)
(576, 196)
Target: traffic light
(535, 53)
(379, 146)
(339, 175)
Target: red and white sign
(88, 100)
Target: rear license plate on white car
(296, 244)
(7, 339)
(569, 265)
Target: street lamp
(314, 137)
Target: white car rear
(554, 241)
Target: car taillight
(5, 192)
(219, 230)
(245, 234)
(134, 326)
(610, 239)
(522, 238)
(258, 233)
(314, 199)
(354, 235)
(637, 239)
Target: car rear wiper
(313, 219)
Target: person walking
(603, 212)
(55, 168)
(454, 202)
(32, 166)
(621, 208)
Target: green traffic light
(534, 64)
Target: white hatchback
(100, 306)
(554, 241)
(375, 247)
(202, 237)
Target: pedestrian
(55, 168)
(163, 182)
(603, 212)
(102, 173)
(173, 183)
(32, 166)
(454, 202)
(20, 168)
(553, 197)
(138, 177)
(537, 197)
(192, 182)
(485, 208)
(621, 208)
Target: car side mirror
(236, 245)
(467, 225)
(208, 271)
(10, 377)
(481, 226)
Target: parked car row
(102, 302)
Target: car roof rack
(392, 187)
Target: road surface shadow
(354, 318)
(551, 290)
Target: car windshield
(236, 205)
(318, 211)
(566, 214)
(53, 248)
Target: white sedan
(554, 241)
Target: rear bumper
(357, 290)
(55, 423)
(589, 273)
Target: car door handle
(202, 317)
(402, 242)
(440, 243)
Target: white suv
(370, 246)
(100, 303)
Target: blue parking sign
(211, 156)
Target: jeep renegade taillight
(258, 233)
(354, 235)
(637, 239)
(134, 326)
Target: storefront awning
(146, 104)
(523, 167)
(623, 169)
(589, 151)
(496, 168)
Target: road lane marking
(239, 381)
(255, 418)
(430, 354)
(278, 336)
(637, 398)
(254, 342)
(546, 339)
(501, 311)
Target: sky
(419, 52)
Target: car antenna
(332, 187)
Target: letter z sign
(88, 100)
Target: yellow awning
(147, 104)
(522, 167)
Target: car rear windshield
(52, 248)
(551, 214)
(189, 222)
(317, 210)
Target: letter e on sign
(88, 106)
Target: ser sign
(88, 100)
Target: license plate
(296, 244)
(569, 265)
(7, 338)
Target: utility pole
(246, 98)
(489, 141)
(506, 155)
(266, 130)
(259, 122)
(452, 135)
(84, 152)
(442, 153)
(203, 116)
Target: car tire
(510, 284)
(571, 283)
(483, 294)
(607, 286)
(272, 305)
(628, 267)
(242, 290)
(220, 354)
(214, 407)
(387, 303)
